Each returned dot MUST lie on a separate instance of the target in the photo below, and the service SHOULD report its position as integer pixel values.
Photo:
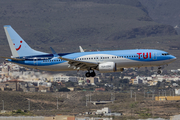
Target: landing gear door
(155, 56)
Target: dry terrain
(74, 103)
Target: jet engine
(109, 67)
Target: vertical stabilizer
(18, 46)
(10, 41)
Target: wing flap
(80, 64)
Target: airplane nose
(173, 58)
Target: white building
(174, 71)
(88, 118)
(103, 111)
(149, 78)
(137, 80)
(47, 84)
(126, 77)
(177, 91)
(65, 78)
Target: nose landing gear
(159, 70)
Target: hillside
(93, 24)
(164, 11)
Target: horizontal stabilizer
(16, 59)
(54, 52)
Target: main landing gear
(90, 74)
(159, 70)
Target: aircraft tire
(88, 74)
(159, 71)
(93, 74)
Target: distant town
(132, 87)
(18, 78)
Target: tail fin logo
(19, 46)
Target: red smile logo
(19, 46)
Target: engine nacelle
(109, 67)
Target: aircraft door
(154, 56)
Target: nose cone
(173, 58)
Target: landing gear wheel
(88, 74)
(159, 71)
(93, 74)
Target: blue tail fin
(18, 46)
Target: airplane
(102, 61)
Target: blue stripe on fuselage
(39, 57)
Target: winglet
(54, 52)
(81, 50)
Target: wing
(80, 65)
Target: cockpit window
(164, 54)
